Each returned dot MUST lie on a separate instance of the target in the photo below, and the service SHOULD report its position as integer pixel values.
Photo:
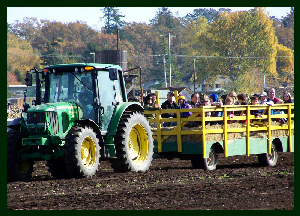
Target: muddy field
(238, 183)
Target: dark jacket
(167, 105)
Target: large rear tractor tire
(82, 152)
(134, 143)
(17, 170)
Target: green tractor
(80, 117)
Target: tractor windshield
(72, 87)
(67, 87)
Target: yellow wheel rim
(88, 152)
(138, 144)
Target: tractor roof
(95, 65)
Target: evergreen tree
(164, 17)
(19, 76)
(112, 20)
(288, 21)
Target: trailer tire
(134, 143)
(82, 152)
(209, 163)
(269, 160)
(17, 170)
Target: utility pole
(169, 53)
(94, 56)
(164, 62)
(118, 46)
(165, 74)
(264, 77)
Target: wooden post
(225, 132)
(290, 127)
(178, 127)
(158, 118)
(248, 131)
(203, 133)
(269, 130)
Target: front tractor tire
(17, 170)
(134, 143)
(82, 152)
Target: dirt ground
(238, 183)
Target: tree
(284, 29)
(146, 42)
(288, 21)
(242, 34)
(12, 79)
(112, 19)
(20, 58)
(164, 18)
(210, 14)
(17, 73)
(285, 65)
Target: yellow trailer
(245, 135)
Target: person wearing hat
(169, 104)
(215, 102)
(263, 99)
(183, 105)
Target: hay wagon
(245, 135)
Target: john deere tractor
(80, 116)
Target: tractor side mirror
(113, 73)
(28, 79)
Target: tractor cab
(95, 88)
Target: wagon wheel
(269, 159)
(209, 163)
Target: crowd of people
(199, 100)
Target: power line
(232, 57)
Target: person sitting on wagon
(184, 105)
(287, 98)
(263, 97)
(272, 97)
(257, 113)
(194, 100)
(230, 114)
(169, 104)
(215, 102)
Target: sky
(91, 15)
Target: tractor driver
(86, 96)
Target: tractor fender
(91, 123)
(118, 112)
